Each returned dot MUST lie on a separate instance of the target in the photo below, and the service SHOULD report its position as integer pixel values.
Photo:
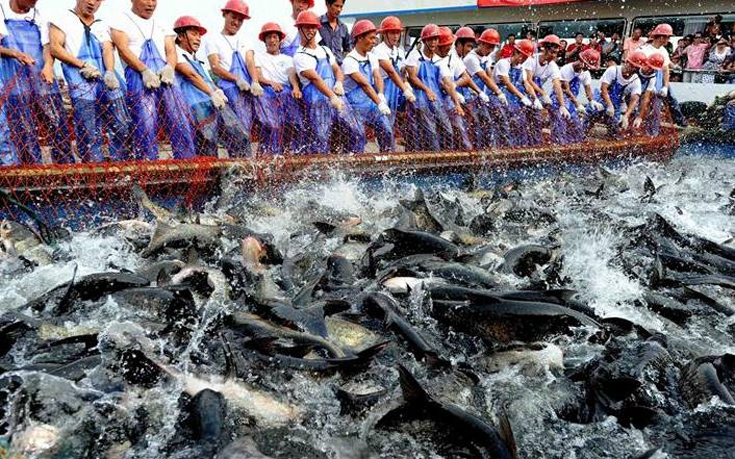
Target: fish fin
(230, 365)
(412, 390)
(649, 454)
(324, 228)
(192, 256)
(506, 434)
(264, 343)
(163, 278)
(66, 299)
(371, 352)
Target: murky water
(103, 414)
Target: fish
(394, 244)
(458, 428)
(205, 238)
(707, 377)
(524, 260)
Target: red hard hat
(362, 27)
(491, 37)
(446, 37)
(270, 27)
(311, 3)
(656, 61)
(308, 18)
(430, 31)
(467, 33)
(638, 59)
(662, 29)
(590, 57)
(551, 40)
(189, 22)
(391, 24)
(525, 47)
(237, 6)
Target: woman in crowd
(717, 57)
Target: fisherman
(231, 57)
(215, 121)
(492, 130)
(364, 86)
(33, 96)
(538, 70)
(575, 76)
(648, 115)
(454, 76)
(154, 99)
(619, 83)
(427, 120)
(324, 92)
(660, 36)
(334, 33)
(291, 43)
(279, 109)
(83, 45)
(392, 64)
(508, 74)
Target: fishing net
(74, 154)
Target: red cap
(268, 28)
(189, 22)
(638, 59)
(551, 40)
(656, 61)
(362, 27)
(446, 37)
(490, 36)
(662, 29)
(391, 24)
(525, 47)
(311, 3)
(466, 33)
(308, 18)
(237, 6)
(590, 57)
(430, 31)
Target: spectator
(714, 27)
(531, 35)
(716, 60)
(634, 42)
(508, 49)
(562, 59)
(611, 50)
(575, 48)
(593, 44)
(695, 54)
(679, 58)
(333, 32)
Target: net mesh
(78, 152)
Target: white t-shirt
(33, 14)
(140, 30)
(384, 53)
(455, 64)
(351, 64)
(73, 28)
(502, 68)
(474, 62)
(224, 46)
(275, 68)
(414, 58)
(292, 35)
(306, 59)
(568, 74)
(649, 50)
(652, 82)
(632, 85)
(543, 72)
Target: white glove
(461, 99)
(339, 89)
(256, 89)
(150, 79)
(337, 103)
(580, 106)
(503, 99)
(409, 95)
(538, 105)
(546, 99)
(526, 102)
(637, 122)
(90, 72)
(168, 75)
(484, 97)
(565, 113)
(111, 81)
(382, 99)
(384, 109)
(222, 95)
(624, 122)
(610, 111)
(242, 85)
(664, 92)
(217, 100)
(596, 106)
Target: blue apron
(616, 91)
(241, 103)
(367, 111)
(461, 139)
(322, 117)
(31, 102)
(652, 123)
(518, 123)
(289, 49)
(150, 106)
(429, 126)
(394, 94)
(564, 132)
(96, 108)
(488, 124)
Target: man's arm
(413, 78)
(108, 56)
(122, 43)
(47, 74)
(366, 86)
(57, 41)
(317, 81)
(171, 57)
(194, 77)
